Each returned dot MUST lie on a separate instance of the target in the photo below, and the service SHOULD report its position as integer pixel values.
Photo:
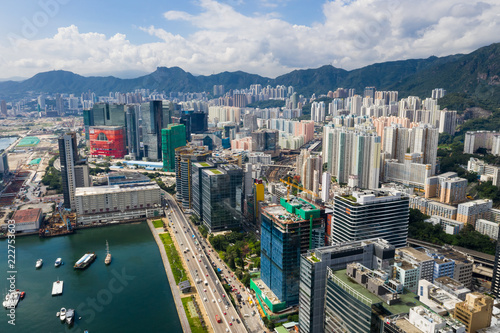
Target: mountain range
(476, 74)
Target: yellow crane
(297, 187)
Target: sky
(266, 37)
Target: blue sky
(267, 37)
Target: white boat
(58, 262)
(39, 263)
(70, 316)
(11, 299)
(107, 261)
(62, 314)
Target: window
(102, 137)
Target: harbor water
(131, 294)
(5, 142)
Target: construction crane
(65, 219)
(297, 187)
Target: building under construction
(288, 230)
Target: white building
(117, 202)
(487, 228)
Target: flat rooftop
(126, 177)
(266, 291)
(27, 215)
(415, 253)
(109, 189)
(407, 300)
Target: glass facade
(172, 137)
(344, 312)
(222, 197)
(379, 219)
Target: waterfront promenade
(175, 291)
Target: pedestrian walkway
(175, 291)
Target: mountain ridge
(476, 73)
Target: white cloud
(351, 34)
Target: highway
(199, 268)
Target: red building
(107, 141)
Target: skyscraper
(3, 107)
(495, 280)
(448, 122)
(424, 139)
(172, 137)
(352, 154)
(371, 214)
(184, 159)
(222, 196)
(74, 172)
(155, 117)
(287, 231)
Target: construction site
(59, 223)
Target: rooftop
(415, 253)
(408, 300)
(109, 189)
(126, 177)
(27, 215)
(268, 293)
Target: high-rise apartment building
(481, 139)
(172, 137)
(74, 172)
(396, 141)
(355, 153)
(424, 139)
(287, 231)
(318, 112)
(374, 254)
(309, 167)
(447, 122)
(370, 214)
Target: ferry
(85, 261)
(39, 263)
(107, 261)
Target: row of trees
(467, 237)
(234, 248)
(52, 178)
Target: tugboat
(107, 261)
(39, 263)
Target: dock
(57, 288)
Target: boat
(11, 299)
(39, 263)
(58, 262)
(85, 261)
(86, 331)
(57, 288)
(107, 261)
(70, 316)
(62, 314)
(23, 293)
(57, 314)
